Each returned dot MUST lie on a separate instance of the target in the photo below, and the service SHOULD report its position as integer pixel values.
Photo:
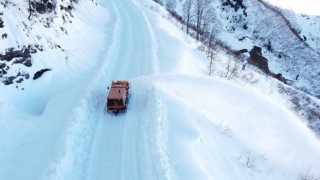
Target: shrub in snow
(307, 176)
(254, 162)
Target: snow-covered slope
(180, 123)
(289, 38)
(282, 43)
(290, 42)
(310, 6)
(62, 41)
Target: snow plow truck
(118, 97)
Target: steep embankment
(283, 41)
(280, 41)
(289, 40)
(34, 114)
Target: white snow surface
(180, 123)
(310, 7)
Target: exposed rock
(258, 60)
(24, 53)
(5, 3)
(39, 47)
(280, 78)
(17, 56)
(2, 72)
(20, 80)
(237, 53)
(38, 74)
(24, 61)
(236, 4)
(9, 80)
(4, 36)
(11, 54)
(1, 23)
(27, 76)
(27, 63)
(2, 65)
(42, 7)
(68, 8)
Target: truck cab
(117, 99)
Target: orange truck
(117, 99)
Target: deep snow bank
(214, 128)
(33, 115)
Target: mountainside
(288, 40)
(288, 43)
(191, 114)
(261, 37)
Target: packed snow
(180, 123)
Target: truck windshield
(115, 102)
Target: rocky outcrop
(38, 74)
(258, 60)
(11, 79)
(19, 55)
(42, 6)
(1, 23)
(12, 57)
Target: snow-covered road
(103, 145)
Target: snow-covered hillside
(289, 39)
(180, 123)
(59, 40)
(244, 37)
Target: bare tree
(159, 2)
(187, 8)
(211, 38)
(199, 12)
(171, 5)
(307, 176)
(211, 55)
(232, 70)
(206, 24)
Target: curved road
(97, 145)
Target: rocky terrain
(39, 26)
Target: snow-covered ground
(180, 123)
(310, 7)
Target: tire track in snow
(78, 137)
(81, 140)
(154, 48)
(161, 108)
(117, 140)
(123, 146)
(162, 136)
